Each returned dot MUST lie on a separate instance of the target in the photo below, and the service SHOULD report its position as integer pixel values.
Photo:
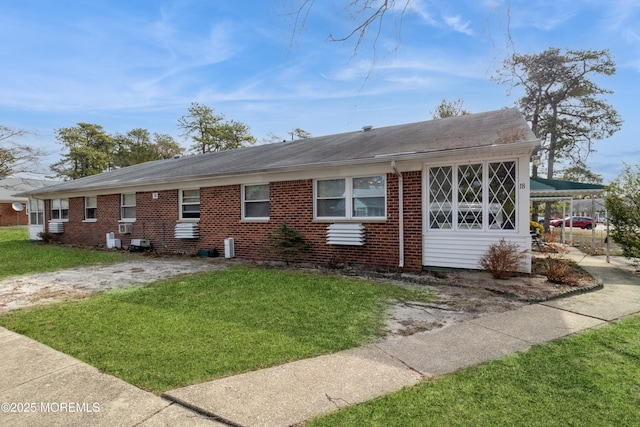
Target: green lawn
(20, 256)
(591, 379)
(192, 329)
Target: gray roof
(11, 186)
(376, 145)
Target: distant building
(14, 210)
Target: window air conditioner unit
(125, 228)
(56, 227)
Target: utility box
(141, 243)
(229, 248)
(112, 242)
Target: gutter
(400, 214)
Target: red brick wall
(220, 218)
(10, 217)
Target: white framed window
(128, 206)
(190, 204)
(474, 196)
(351, 198)
(255, 201)
(90, 208)
(36, 211)
(59, 209)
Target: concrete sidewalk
(67, 392)
(290, 393)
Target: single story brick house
(434, 193)
(13, 209)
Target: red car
(583, 222)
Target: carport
(556, 190)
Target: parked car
(583, 222)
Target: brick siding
(220, 218)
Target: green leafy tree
(166, 147)
(295, 133)
(16, 157)
(561, 101)
(287, 243)
(210, 132)
(623, 204)
(449, 109)
(564, 105)
(137, 146)
(580, 173)
(89, 151)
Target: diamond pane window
(502, 196)
(470, 197)
(440, 197)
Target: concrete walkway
(288, 394)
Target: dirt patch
(461, 295)
(465, 295)
(63, 285)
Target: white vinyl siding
(470, 206)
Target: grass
(588, 379)
(21, 256)
(188, 330)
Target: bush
(533, 226)
(623, 204)
(45, 236)
(502, 259)
(287, 242)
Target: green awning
(557, 188)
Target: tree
(90, 151)
(623, 204)
(15, 157)
(137, 146)
(166, 147)
(295, 133)
(562, 103)
(580, 173)
(210, 132)
(449, 109)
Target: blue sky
(139, 64)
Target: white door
(36, 218)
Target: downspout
(400, 214)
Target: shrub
(287, 242)
(45, 236)
(502, 259)
(533, 226)
(555, 266)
